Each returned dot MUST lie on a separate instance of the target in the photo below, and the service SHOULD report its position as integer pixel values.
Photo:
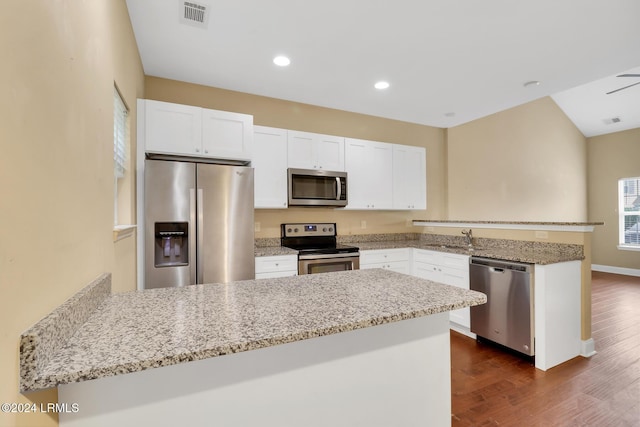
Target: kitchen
(76, 56)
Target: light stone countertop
(534, 254)
(139, 330)
(261, 251)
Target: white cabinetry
(270, 167)
(315, 151)
(227, 135)
(450, 269)
(369, 166)
(409, 177)
(185, 130)
(276, 266)
(172, 128)
(390, 259)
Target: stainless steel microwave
(311, 187)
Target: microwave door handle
(339, 188)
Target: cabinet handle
(206, 151)
(197, 150)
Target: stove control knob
(295, 230)
(324, 229)
(330, 228)
(289, 230)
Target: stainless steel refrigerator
(198, 223)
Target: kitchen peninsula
(366, 347)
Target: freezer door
(225, 223)
(170, 223)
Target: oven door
(312, 264)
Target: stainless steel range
(318, 250)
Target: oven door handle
(328, 256)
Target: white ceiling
(466, 57)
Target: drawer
(384, 256)
(454, 261)
(399, 266)
(270, 264)
(429, 257)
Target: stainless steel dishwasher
(507, 317)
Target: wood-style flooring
(491, 387)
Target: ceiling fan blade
(618, 90)
(629, 75)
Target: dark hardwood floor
(491, 387)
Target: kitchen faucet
(469, 238)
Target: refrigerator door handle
(200, 238)
(192, 234)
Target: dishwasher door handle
(496, 270)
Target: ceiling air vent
(612, 120)
(195, 14)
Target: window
(120, 146)
(629, 211)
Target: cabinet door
(380, 173)
(301, 150)
(227, 135)
(270, 167)
(369, 165)
(356, 166)
(330, 152)
(172, 128)
(427, 271)
(409, 177)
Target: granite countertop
(533, 253)
(261, 251)
(139, 330)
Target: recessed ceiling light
(381, 85)
(532, 83)
(281, 61)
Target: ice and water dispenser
(171, 244)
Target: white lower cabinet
(276, 266)
(390, 259)
(450, 269)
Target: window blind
(120, 130)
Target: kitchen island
(367, 347)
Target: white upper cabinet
(409, 177)
(369, 166)
(227, 135)
(315, 151)
(185, 130)
(270, 167)
(172, 128)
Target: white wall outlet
(542, 234)
(363, 224)
(256, 227)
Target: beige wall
(292, 115)
(611, 157)
(60, 61)
(527, 163)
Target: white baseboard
(616, 270)
(461, 329)
(588, 348)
